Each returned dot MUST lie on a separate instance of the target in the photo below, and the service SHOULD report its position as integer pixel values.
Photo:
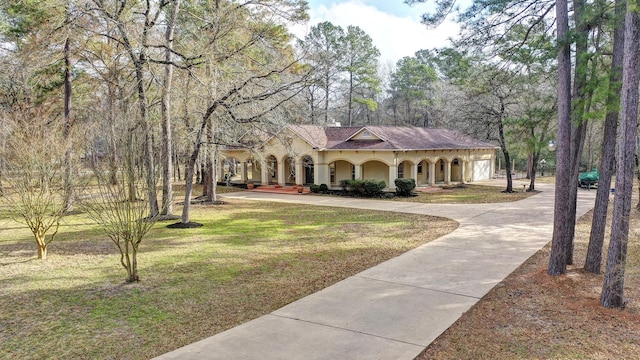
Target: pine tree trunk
(613, 287)
(558, 257)
(596, 239)
(167, 143)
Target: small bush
(373, 188)
(404, 187)
(324, 188)
(345, 185)
(314, 188)
(364, 188)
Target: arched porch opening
(422, 176)
(253, 170)
(441, 167)
(272, 169)
(405, 170)
(341, 170)
(456, 170)
(376, 170)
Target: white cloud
(394, 36)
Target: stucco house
(311, 154)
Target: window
(353, 172)
(420, 168)
(455, 161)
(366, 134)
(401, 170)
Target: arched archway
(456, 170)
(341, 170)
(422, 176)
(272, 169)
(376, 170)
(441, 167)
(405, 169)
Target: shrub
(373, 188)
(404, 187)
(324, 188)
(345, 185)
(314, 188)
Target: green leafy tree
(411, 84)
(361, 68)
(323, 51)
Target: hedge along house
(311, 154)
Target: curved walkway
(396, 309)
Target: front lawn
(249, 258)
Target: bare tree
(122, 219)
(34, 155)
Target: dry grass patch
(531, 315)
(249, 259)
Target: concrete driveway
(396, 309)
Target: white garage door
(481, 170)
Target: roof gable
(366, 134)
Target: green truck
(589, 179)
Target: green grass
(470, 194)
(247, 260)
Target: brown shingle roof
(397, 138)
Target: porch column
(298, 169)
(358, 171)
(414, 173)
(320, 170)
(264, 173)
(447, 173)
(393, 175)
(281, 178)
(463, 167)
(432, 174)
(243, 172)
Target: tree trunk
(503, 146)
(596, 239)
(577, 144)
(68, 163)
(42, 249)
(580, 99)
(191, 166)
(133, 266)
(558, 257)
(167, 143)
(350, 103)
(534, 168)
(613, 287)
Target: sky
(394, 26)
